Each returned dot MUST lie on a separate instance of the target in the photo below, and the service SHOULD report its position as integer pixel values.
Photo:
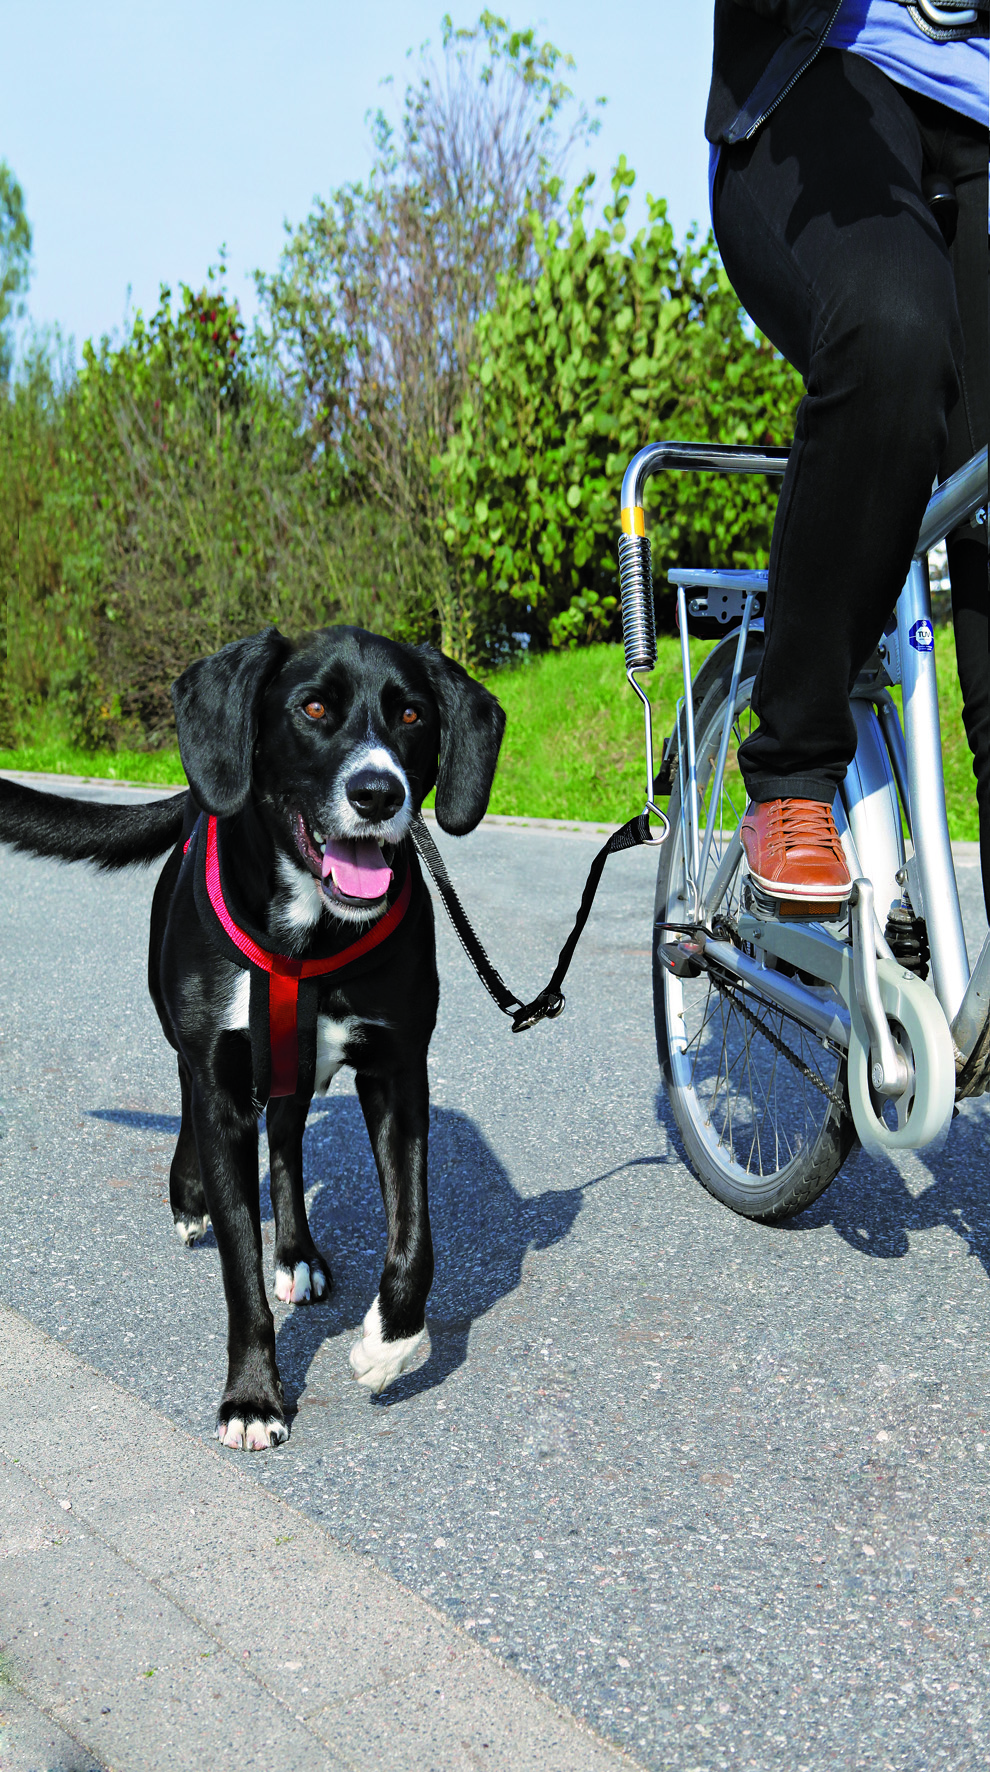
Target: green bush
(425, 436)
(160, 502)
(610, 346)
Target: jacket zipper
(803, 69)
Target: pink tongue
(358, 869)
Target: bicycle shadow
(482, 1231)
(871, 1207)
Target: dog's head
(338, 739)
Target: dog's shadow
(482, 1230)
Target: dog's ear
(471, 728)
(216, 705)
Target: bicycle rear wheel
(760, 1102)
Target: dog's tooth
(319, 838)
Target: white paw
(189, 1230)
(376, 1362)
(253, 1436)
(300, 1285)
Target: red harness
(284, 973)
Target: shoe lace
(809, 822)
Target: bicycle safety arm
(699, 458)
(635, 562)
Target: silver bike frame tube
(940, 897)
(682, 810)
(826, 1018)
(957, 498)
(723, 749)
(971, 1018)
(890, 726)
(690, 793)
(727, 866)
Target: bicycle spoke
(756, 1086)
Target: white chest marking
(236, 1017)
(331, 1038)
(298, 905)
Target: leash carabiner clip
(650, 841)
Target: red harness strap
(284, 973)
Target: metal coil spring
(639, 631)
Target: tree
(15, 261)
(373, 309)
(611, 344)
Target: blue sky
(143, 135)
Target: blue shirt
(957, 74)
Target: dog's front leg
(250, 1413)
(397, 1113)
(301, 1273)
(185, 1186)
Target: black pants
(831, 247)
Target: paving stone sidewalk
(158, 1609)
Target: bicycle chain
(806, 1071)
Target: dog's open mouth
(350, 869)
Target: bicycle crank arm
(889, 1074)
(901, 1063)
(971, 1030)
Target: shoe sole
(802, 903)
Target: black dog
(291, 933)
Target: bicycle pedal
(808, 910)
(817, 913)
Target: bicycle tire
(735, 1099)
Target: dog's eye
(409, 716)
(315, 710)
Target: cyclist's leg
(830, 245)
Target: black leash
(550, 1001)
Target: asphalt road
(721, 1489)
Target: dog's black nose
(375, 794)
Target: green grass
(573, 745)
(574, 742)
(55, 758)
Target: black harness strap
(550, 1001)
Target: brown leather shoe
(794, 853)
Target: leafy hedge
(612, 345)
(425, 433)
(155, 505)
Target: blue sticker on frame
(922, 635)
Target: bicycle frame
(909, 761)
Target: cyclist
(830, 125)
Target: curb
(964, 853)
(96, 785)
(161, 1608)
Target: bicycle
(782, 1041)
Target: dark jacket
(763, 46)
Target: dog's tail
(87, 830)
